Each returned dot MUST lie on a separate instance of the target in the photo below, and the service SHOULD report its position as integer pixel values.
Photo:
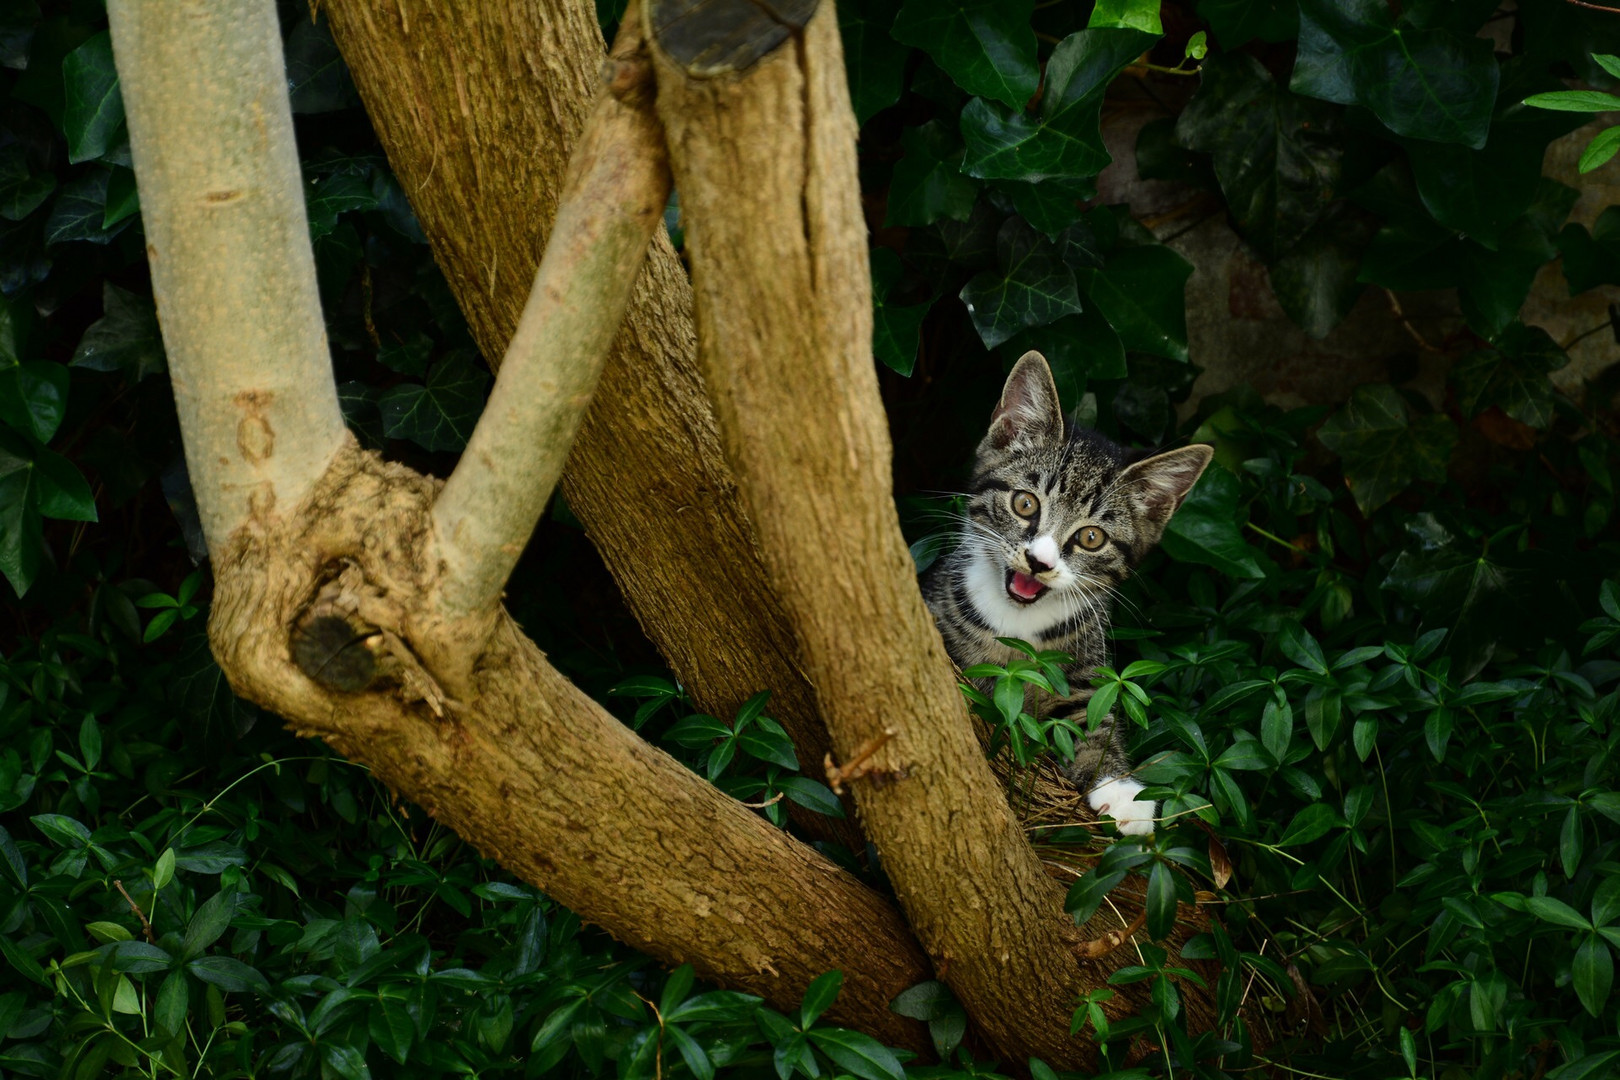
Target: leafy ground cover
(1374, 669)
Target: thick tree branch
(612, 203)
(222, 204)
(531, 771)
(478, 106)
(765, 165)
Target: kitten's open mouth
(1023, 588)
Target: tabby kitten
(1056, 519)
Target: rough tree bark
(465, 716)
(478, 107)
(765, 164)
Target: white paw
(1116, 797)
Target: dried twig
(1423, 342)
(772, 801)
(146, 927)
(857, 767)
(1113, 939)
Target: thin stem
(612, 204)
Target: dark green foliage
(1374, 672)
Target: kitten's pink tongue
(1026, 586)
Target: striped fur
(1090, 511)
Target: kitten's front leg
(1100, 769)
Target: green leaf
(874, 61)
(896, 329)
(986, 46)
(94, 110)
(928, 1000)
(20, 545)
(390, 1025)
(1317, 281)
(334, 194)
(1208, 528)
(1425, 84)
(1033, 287)
(767, 741)
(1299, 646)
(1065, 140)
(61, 490)
(1593, 972)
(1383, 449)
(1277, 728)
(928, 183)
(1465, 590)
(441, 414)
(345, 1061)
(62, 830)
(1086, 894)
(1140, 15)
(1141, 291)
(691, 1053)
(212, 919)
(33, 397)
(1078, 348)
(318, 81)
(1556, 911)
(1311, 823)
(1511, 375)
(81, 209)
(1584, 101)
(821, 993)
(1603, 146)
(1275, 154)
(1592, 258)
(1161, 901)
(811, 794)
(858, 1054)
(123, 197)
(21, 191)
(163, 872)
(1590, 1067)
(173, 1003)
(125, 338)
(228, 974)
(1244, 755)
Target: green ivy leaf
(1140, 15)
(318, 80)
(1208, 527)
(1033, 287)
(1275, 154)
(1425, 84)
(439, 415)
(1511, 375)
(1141, 290)
(61, 489)
(928, 183)
(94, 111)
(21, 192)
(21, 549)
(81, 209)
(33, 397)
(1592, 258)
(1317, 281)
(125, 338)
(896, 328)
(334, 194)
(1383, 447)
(1078, 348)
(1065, 141)
(986, 46)
(875, 62)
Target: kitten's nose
(1041, 555)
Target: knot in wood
(336, 651)
(719, 37)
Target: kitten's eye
(1024, 504)
(1091, 538)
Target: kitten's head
(1061, 513)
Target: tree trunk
(479, 106)
(764, 161)
(465, 718)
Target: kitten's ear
(1156, 485)
(1028, 412)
